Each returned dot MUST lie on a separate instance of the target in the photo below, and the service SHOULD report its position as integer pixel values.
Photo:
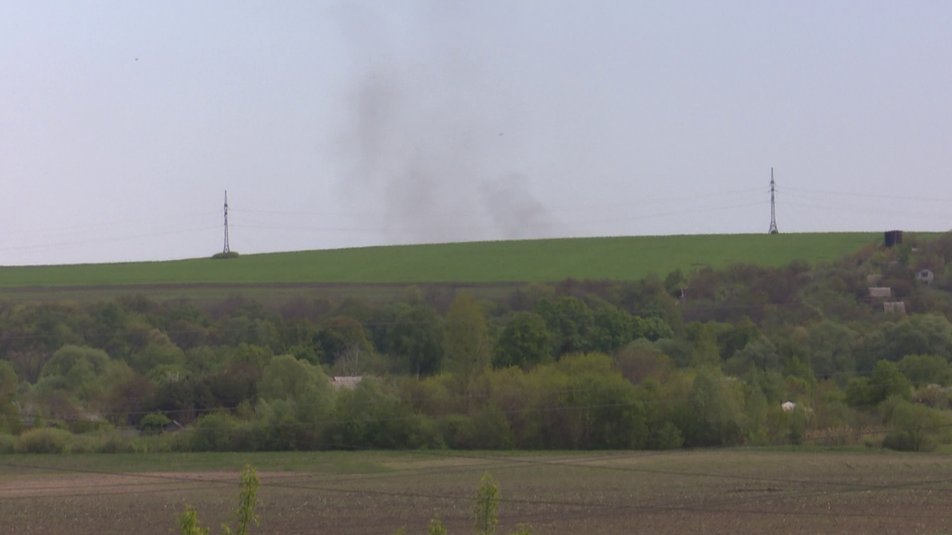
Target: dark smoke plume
(422, 147)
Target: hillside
(623, 258)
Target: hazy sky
(350, 123)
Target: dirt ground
(678, 493)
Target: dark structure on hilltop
(773, 207)
(892, 238)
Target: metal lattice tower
(226, 249)
(773, 206)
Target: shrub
(43, 440)
(153, 423)
(212, 432)
(912, 427)
(245, 515)
(668, 437)
(7, 443)
(114, 443)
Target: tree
(651, 327)
(245, 514)
(570, 323)
(830, 348)
(603, 409)
(918, 334)
(715, 411)
(436, 527)
(81, 372)
(286, 377)
(486, 512)
(759, 354)
(885, 381)
(158, 351)
(612, 327)
(926, 369)
(466, 339)
(342, 337)
(914, 427)
(9, 417)
(416, 336)
(523, 342)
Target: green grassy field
(627, 258)
(351, 493)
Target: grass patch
(622, 258)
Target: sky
(354, 123)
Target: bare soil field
(733, 491)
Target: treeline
(745, 355)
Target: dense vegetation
(699, 358)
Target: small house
(346, 382)
(880, 292)
(894, 307)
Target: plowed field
(374, 492)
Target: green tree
(612, 327)
(466, 339)
(914, 427)
(830, 347)
(245, 514)
(651, 327)
(523, 342)
(343, 337)
(9, 415)
(918, 334)
(602, 409)
(286, 377)
(759, 354)
(297, 401)
(160, 351)
(885, 381)
(436, 527)
(486, 512)
(570, 323)
(374, 416)
(416, 336)
(715, 411)
(926, 369)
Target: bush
(43, 440)
(212, 432)
(488, 429)
(912, 427)
(83, 444)
(114, 443)
(153, 423)
(668, 438)
(7, 443)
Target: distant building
(346, 382)
(880, 292)
(893, 238)
(925, 276)
(894, 307)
